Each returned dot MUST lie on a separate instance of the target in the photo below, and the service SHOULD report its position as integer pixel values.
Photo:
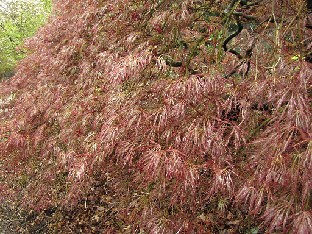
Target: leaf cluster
(145, 93)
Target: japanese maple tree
(193, 107)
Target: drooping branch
(251, 4)
(229, 38)
(172, 63)
(248, 17)
(244, 59)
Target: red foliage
(145, 87)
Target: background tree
(198, 111)
(18, 21)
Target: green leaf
(295, 57)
